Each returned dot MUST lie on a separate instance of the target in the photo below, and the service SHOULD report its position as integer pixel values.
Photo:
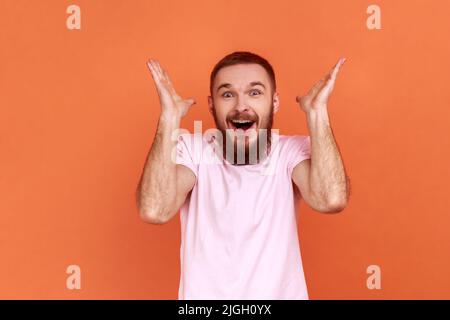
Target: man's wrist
(318, 115)
(170, 117)
(318, 121)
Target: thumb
(190, 102)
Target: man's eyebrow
(223, 85)
(252, 84)
(257, 83)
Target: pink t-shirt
(239, 225)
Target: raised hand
(317, 98)
(171, 103)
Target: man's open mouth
(242, 124)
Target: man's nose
(241, 104)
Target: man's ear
(276, 102)
(210, 104)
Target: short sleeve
(185, 152)
(299, 149)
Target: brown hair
(242, 57)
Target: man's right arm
(164, 185)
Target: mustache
(254, 118)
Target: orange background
(79, 112)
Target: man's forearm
(328, 179)
(157, 188)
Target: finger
(320, 83)
(336, 68)
(327, 82)
(156, 76)
(149, 66)
(167, 82)
(331, 78)
(158, 69)
(166, 76)
(328, 87)
(317, 87)
(302, 100)
(154, 73)
(170, 84)
(323, 82)
(190, 102)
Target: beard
(236, 144)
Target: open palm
(319, 94)
(171, 102)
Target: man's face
(243, 103)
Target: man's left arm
(322, 180)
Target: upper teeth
(241, 121)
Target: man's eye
(227, 94)
(255, 91)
